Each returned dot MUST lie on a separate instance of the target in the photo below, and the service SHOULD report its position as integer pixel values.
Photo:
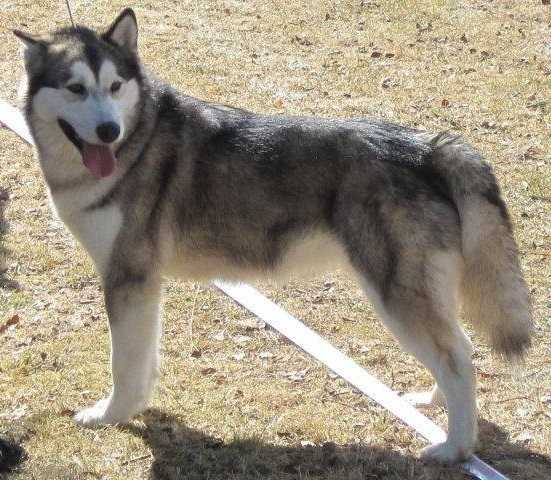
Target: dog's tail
(495, 296)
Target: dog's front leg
(133, 310)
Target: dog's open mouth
(99, 159)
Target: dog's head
(85, 86)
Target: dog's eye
(116, 86)
(77, 88)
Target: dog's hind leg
(448, 357)
(133, 309)
(421, 310)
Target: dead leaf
(241, 339)
(424, 28)
(208, 370)
(537, 105)
(532, 153)
(297, 376)
(521, 411)
(16, 414)
(196, 353)
(389, 82)
(376, 54)
(238, 356)
(340, 391)
(218, 336)
(251, 324)
(524, 437)
(488, 125)
(317, 299)
(13, 320)
(302, 41)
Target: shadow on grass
(180, 452)
(512, 459)
(11, 456)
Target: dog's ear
(33, 51)
(124, 31)
(28, 40)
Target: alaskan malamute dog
(155, 183)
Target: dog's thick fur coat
(200, 190)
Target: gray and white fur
(199, 191)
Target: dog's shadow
(180, 452)
(12, 455)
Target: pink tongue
(98, 159)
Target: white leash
(13, 119)
(310, 342)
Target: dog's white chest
(95, 229)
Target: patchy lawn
(236, 400)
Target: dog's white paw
(445, 453)
(97, 415)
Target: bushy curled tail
(495, 296)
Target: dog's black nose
(108, 132)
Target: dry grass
(246, 419)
